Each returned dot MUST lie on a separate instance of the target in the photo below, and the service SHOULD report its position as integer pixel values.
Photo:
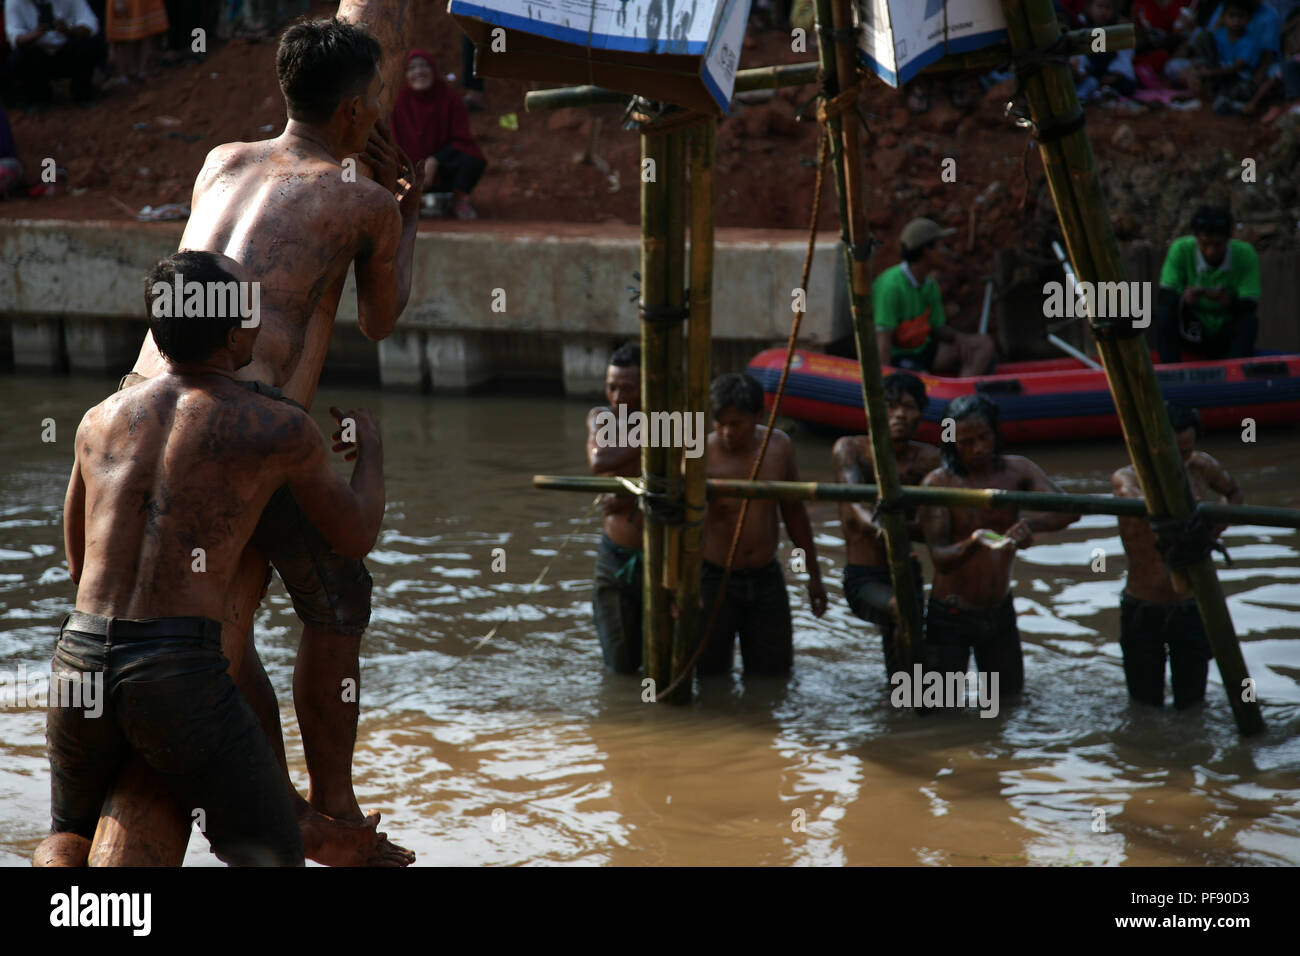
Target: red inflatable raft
(1048, 400)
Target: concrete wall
(486, 305)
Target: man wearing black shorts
(170, 480)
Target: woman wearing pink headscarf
(431, 124)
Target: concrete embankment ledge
(532, 301)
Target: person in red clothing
(1166, 28)
(431, 124)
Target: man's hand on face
(413, 173)
(383, 157)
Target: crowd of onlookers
(99, 44)
(128, 41)
(1237, 56)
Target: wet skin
(283, 208)
(968, 572)
(622, 519)
(732, 447)
(189, 460)
(854, 461)
(1148, 579)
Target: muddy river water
(522, 750)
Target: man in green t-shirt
(911, 330)
(1209, 293)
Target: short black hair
(629, 353)
(1183, 417)
(320, 63)
(738, 390)
(179, 337)
(969, 406)
(904, 383)
(1241, 6)
(912, 255)
(1212, 221)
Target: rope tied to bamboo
(1183, 541)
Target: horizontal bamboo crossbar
(961, 497)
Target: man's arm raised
(383, 269)
(347, 514)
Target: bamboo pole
(839, 68)
(689, 621)
(956, 497)
(1071, 173)
(673, 346)
(1118, 37)
(655, 201)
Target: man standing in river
(755, 604)
(176, 470)
(973, 549)
(295, 213)
(1152, 614)
(867, 584)
(616, 604)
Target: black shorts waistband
(974, 613)
(120, 630)
(1126, 598)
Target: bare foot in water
(349, 842)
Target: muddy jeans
(166, 695)
(869, 589)
(1145, 629)
(756, 607)
(951, 633)
(616, 605)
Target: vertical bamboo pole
(1076, 190)
(837, 64)
(699, 347)
(654, 393)
(676, 395)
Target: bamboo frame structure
(952, 497)
(1076, 190)
(689, 621)
(840, 72)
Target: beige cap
(920, 231)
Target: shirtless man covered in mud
(867, 584)
(616, 603)
(297, 216)
(973, 549)
(756, 605)
(179, 466)
(1152, 614)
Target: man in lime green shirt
(911, 330)
(1209, 293)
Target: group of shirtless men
(205, 468)
(970, 608)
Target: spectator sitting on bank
(1106, 74)
(1209, 292)
(912, 331)
(1225, 59)
(431, 124)
(51, 40)
(11, 170)
(1165, 31)
(133, 29)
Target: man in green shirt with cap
(911, 330)
(1209, 293)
